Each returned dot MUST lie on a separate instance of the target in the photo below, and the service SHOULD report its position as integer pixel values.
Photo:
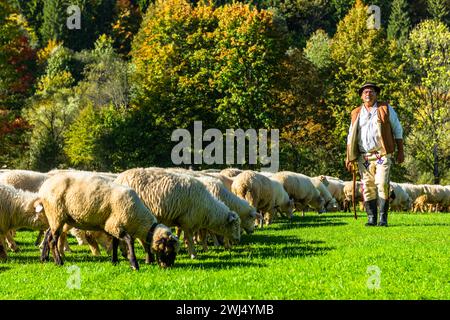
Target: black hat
(369, 85)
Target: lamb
(300, 188)
(321, 184)
(182, 201)
(91, 202)
(17, 211)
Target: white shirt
(369, 135)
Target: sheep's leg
(115, 245)
(130, 244)
(62, 243)
(10, 241)
(149, 257)
(93, 245)
(203, 238)
(45, 246)
(39, 237)
(190, 243)
(54, 247)
(3, 255)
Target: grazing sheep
(402, 201)
(17, 210)
(321, 184)
(301, 189)
(108, 175)
(336, 188)
(421, 203)
(246, 212)
(256, 189)
(230, 172)
(23, 179)
(283, 204)
(348, 191)
(182, 201)
(91, 202)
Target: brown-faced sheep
(94, 203)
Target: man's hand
(349, 165)
(400, 156)
(400, 153)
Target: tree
(17, 59)
(438, 9)
(96, 18)
(427, 56)
(399, 22)
(318, 50)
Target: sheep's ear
(38, 207)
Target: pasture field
(329, 256)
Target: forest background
(108, 96)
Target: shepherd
(374, 133)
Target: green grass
(314, 257)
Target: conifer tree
(399, 21)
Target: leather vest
(384, 126)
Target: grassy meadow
(329, 256)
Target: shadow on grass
(259, 246)
(419, 225)
(308, 222)
(4, 268)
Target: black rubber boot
(384, 208)
(371, 209)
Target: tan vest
(387, 137)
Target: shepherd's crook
(354, 190)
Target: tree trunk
(436, 165)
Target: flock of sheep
(144, 204)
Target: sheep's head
(164, 245)
(39, 218)
(286, 209)
(332, 205)
(248, 222)
(234, 227)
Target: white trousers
(375, 175)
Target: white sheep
(402, 201)
(23, 179)
(17, 210)
(256, 189)
(182, 201)
(321, 184)
(301, 189)
(230, 172)
(246, 212)
(92, 202)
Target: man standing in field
(374, 132)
